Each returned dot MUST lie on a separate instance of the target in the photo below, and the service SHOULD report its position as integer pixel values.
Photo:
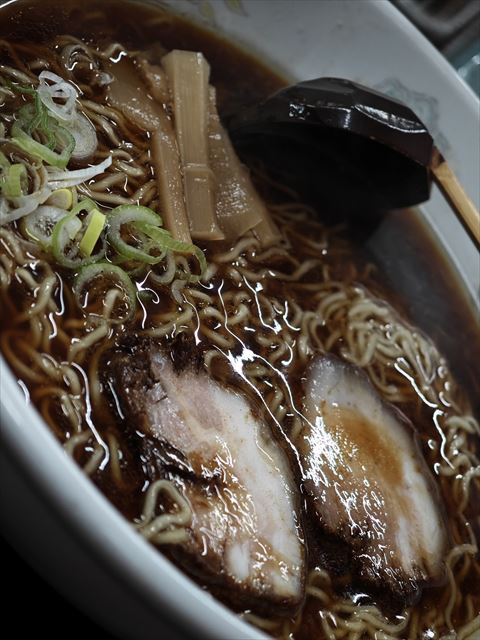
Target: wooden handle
(461, 204)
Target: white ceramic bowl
(52, 512)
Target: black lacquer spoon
(366, 151)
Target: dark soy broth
(397, 262)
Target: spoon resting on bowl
(369, 151)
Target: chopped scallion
(93, 232)
(39, 224)
(83, 205)
(4, 161)
(111, 272)
(129, 216)
(65, 247)
(166, 243)
(14, 181)
(64, 140)
(62, 198)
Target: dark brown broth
(427, 290)
(239, 78)
(424, 287)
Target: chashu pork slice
(368, 481)
(244, 537)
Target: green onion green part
(165, 241)
(14, 182)
(65, 248)
(4, 161)
(63, 139)
(130, 216)
(92, 234)
(107, 270)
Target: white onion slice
(60, 90)
(85, 137)
(12, 209)
(39, 224)
(63, 179)
(22, 205)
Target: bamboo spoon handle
(453, 192)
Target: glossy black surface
(370, 151)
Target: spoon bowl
(370, 153)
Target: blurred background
(453, 26)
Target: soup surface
(291, 422)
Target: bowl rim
(78, 502)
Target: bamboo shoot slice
(128, 94)
(188, 74)
(239, 208)
(165, 155)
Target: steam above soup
(230, 371)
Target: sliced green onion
(39, 225)
(19, 88)
(167, 243)
(16, 208)
(109, 271)
(64, 246)
(34, 117)
(65, 179)
(62, 198)
(14, 181)
(59, 89)
(73, 227)
(83, 205)
(85, 136)
(74, 193)
(92, 234)
(132, 215)
(63, 138)
(4, 161)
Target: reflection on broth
(240, 380)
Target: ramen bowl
(79, 542)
